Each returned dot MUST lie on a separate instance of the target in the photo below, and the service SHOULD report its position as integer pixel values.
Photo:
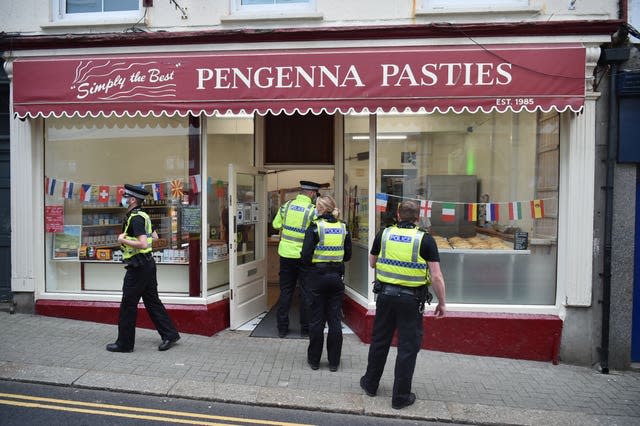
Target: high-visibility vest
(399, 261)
(331, 236)
(294, 217)
(127, 250)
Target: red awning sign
(489, 78)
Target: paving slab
(40, 373)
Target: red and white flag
(103, 194)
(196, 183)
(119, 193)
(425, 208)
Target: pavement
(234, 367)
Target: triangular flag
(471, 212)
(85, 192)
(515, 210)
(448, 212)
(103, 194)
(381, 202)
(425, 208)
(537, 209)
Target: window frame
(59, 14)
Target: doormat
(268, 327)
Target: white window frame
(59, 14)
(238, 8)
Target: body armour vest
(128, 251)
(330, 247)
(295, 216)
(399, 261)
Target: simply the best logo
(109, 80)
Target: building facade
(490, 116)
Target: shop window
(83, 10)
(356, 199)
(229, 140)
(87, 162)
(488, 189)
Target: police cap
(135, 191)
(309, 186)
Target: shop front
(495, 142)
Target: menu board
(191, 219)
(521, 240)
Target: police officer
(327, 244)
(406, 260)
(293, 218)
(140, 278)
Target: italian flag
(448, 212)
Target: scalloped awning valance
(383, 79)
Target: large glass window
(229, 140)
(488, 187)
(356, 199)
(84, 10)
(87, 162)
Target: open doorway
(284, 185)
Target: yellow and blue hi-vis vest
(331, 236)
(294, 217)
(399, 261)
(127, 250)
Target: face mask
(125, 202)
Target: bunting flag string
(471, 211)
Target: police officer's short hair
(408, 211)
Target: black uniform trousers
(290, 273)
(326, 290)
(395, 311)
(141, 282)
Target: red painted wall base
(518, 336)
(194, 319)
(532, 337)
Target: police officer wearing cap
(406, 260)
(140, 279)
(327, 245)
(293, 219)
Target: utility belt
(421, 293)
(138, 260)
(327, 267)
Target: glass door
(247, 244)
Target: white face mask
(125, 202)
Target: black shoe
(313, 366)
(364, 388)
(167, 344)
(114, 347)
(283, 333)
(333, 368)
(408, 402)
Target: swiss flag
(103, 194)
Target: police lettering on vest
(331, 237)
(294, 218)
(399, 262)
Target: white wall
(38, 16)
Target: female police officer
(327, 244)
(140, 278)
